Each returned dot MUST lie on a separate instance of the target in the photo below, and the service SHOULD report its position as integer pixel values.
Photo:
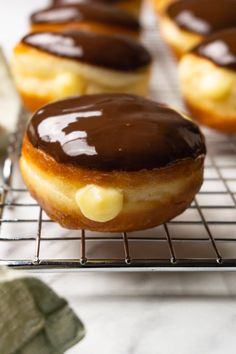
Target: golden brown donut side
(54, 185)
(209, 92)
(225, 124)
(179, 40)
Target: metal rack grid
(202, 238)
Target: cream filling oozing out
(207, 85)
(104, 203)
(99, 203)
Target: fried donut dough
(112, 162)
(208, 81)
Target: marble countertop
(139, 313)
(152, 313)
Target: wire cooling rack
(202, 238)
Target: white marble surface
(156, 325)
(143, 313)
(154, 313)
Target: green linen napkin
(34, 320)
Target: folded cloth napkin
(33, 319)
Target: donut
(208, 81)
(48, 66)
(96, 18)
(112, 162)
(132, 6)
(187, 22)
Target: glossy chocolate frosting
(220, 48)
(85, 12)
(114, 132)
(112, 52)
(203, 16)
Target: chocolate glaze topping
(220, 48)
(203, 16)
(114, 132)
(112, 52)
(85, 12)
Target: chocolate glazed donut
(123, 54)
(187, 22)
(208, 81)
(114, 162)
(84, 122)
(220, 48)
(203, 16)
(49, 66)
(96, 18)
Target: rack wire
(202, 238)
